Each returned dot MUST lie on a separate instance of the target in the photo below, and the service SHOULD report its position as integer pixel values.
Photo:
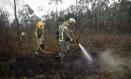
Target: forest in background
(99, 27)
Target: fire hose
(40, 47)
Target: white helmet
(72, 20)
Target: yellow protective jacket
(40, 28)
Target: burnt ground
(75, 65)
(46, 67)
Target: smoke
(108, 57)
(107, 62)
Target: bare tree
(18, 30)
(56, 4)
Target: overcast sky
(42, 7)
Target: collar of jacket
(66, 24)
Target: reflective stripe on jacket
(64, 32)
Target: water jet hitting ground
(86, 53)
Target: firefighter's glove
(77, 41)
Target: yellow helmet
(40, 24)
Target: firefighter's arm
(35, 33)
(67, 33)
(74, 39)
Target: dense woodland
(100, 25)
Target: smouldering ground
(111, 60)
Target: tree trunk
(18, 31)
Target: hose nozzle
(77, 41)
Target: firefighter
(39, 33)
(64, 33)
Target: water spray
(85, 52)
